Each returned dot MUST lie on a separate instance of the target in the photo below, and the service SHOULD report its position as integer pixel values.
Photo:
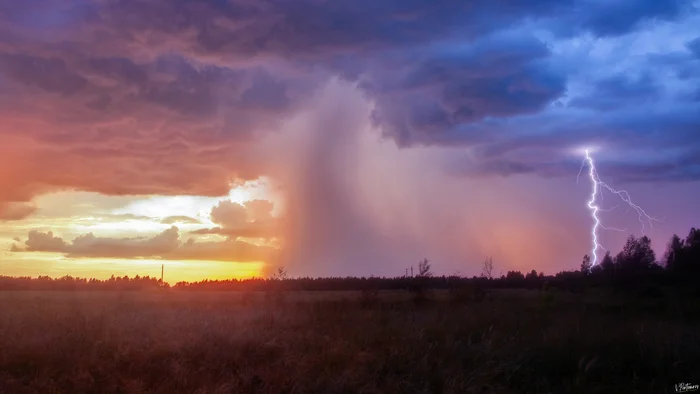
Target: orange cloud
(259, 209)
(15, 211)
(252, 219)
(229, 250)
(179, 219)
(257, 229)
(120, 127)
(166, 245)
(229, 214)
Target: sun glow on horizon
(72, 214)
(55, 265)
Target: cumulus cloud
(43, 242)
(166, 245)
(229, 214)
(259, 209)
(252, 219)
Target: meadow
(519, 341)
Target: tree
(682, 257)
(281, 274)
(607, 264)
(487, 270)
(636, 256)
(692, 250)
(532, 275)
(693, 239)
(673, 257)
(424, 268)
(644, 253)
(586, 265)
(515, 275)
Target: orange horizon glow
(129, 220)
(55, 266)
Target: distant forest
(635, 267)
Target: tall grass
(377, 342)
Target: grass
(344, 342)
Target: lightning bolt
(597, 189)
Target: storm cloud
(139, 83)
(183, 98)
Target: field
(343, 342)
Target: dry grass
(186, 342)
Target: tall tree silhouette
(424, 268)
(682, 257)
(673, 257)
(692, 247)
(636, 256)
(487, 270)
(586, 265)
(607, 264)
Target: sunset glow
(118, 222)
(197, 135)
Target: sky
(226, 138)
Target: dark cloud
(619, 17)
(49, 74)
(639, 144)
(686, 168)
(120, 69)
(489, 168)
(620, 90)
(685, 65)
(164, 127)
(420, 100)
(311, 29)
(165, 97)
(694, 47)
(265, 91)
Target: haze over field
(225, 138)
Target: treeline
(635, 266)
(115, 283)
(512, 280)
